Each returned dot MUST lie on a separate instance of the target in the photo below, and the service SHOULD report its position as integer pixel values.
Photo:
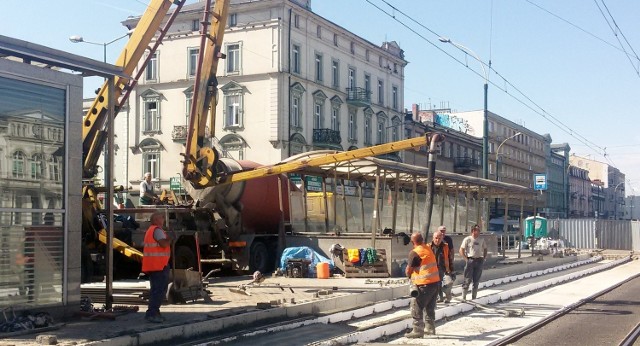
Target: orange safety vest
(428, 272)
(155, 257)
(446, 256)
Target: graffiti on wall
(454, 122)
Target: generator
(297, 268)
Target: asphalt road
(604, 321)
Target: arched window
(54, 168)
(233, 145)
(36, 166)
(18, 164)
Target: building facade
(291, 82)
(580, 196)
(608, 187)
(519, 151)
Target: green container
(535, 226)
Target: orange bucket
(323, 270)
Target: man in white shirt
(474, 250)
(147, 195)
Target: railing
(327, 138)
(465, 164)
(360, 97)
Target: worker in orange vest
(155, 263)
(441, 251)
(425, 280)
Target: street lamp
(615, 201)
(80, 39)
(485, 122)
(498, 164)
(498, 154)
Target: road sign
(175, 184)
(540, 181)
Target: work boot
(416, 333)
(430, 328)
(474, 293)
(464, 294)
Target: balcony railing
(359, 97)
(327, 138)
(179, 133)
(464, 165)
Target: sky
(567, 68)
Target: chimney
(415, 110)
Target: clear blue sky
(563, 55)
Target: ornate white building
(292, 82)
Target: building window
(193, 61)
(151, 72)
(367, 83)
(335, 40)
(18, 165)
(380, 92)
(36, 166)
(366, 55)
(233, 19)
(352, 78)
(319, 31)
(151, 115)
(352, 124)
(296, 21)
(233, 58)
(295, 112)
(318, 114)
(318, 67)
(151, 163)
(394, 98)
(233, 111)
(335, 73)
(395, 130)
(187, 105)
(352, 47)
(380, 60)
(54, 168)
(335, 118)
(367, 129)
(380, 136)
(195, 25)
(233, 146)
(296, 58)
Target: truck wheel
(259, 257)
(185, 258)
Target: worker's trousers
(158, 281)
(426, 300)
(472, 272)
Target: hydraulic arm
(199, 160)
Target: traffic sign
(540, 181)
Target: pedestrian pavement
(276, 299)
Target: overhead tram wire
(581, 29)
(616, 35)
(546, 115)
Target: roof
(53, 57)
(367, 169)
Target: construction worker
(441, 251)
(147, 195)
(155, 263)
(449, 241)
(423, 271)
(474, 250)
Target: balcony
(327, 139)
(179, 133)
(464, 165)
(359, 97)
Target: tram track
(386, 321)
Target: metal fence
(598, 234)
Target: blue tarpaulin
(303, 252)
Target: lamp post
(615, 201)
(485, 121)
(80, 39)
(498, 162)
